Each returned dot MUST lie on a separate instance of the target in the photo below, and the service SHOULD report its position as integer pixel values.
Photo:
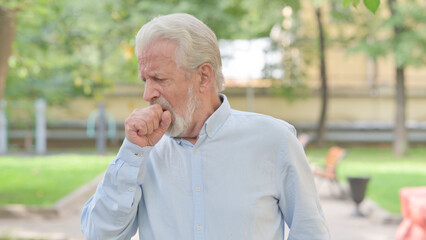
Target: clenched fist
(145, 127)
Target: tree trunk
(400, 142)
(372, 69)
(7, 34)
(324, 93)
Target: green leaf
(294, 4)
(355, 3)
(346, 3)
(372, 5)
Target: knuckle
(157, 107)
(127, 121)
(149, 114)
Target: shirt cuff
(133, 154)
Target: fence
(43, 133)
(365, 132)
(101, 130)
(74, 134)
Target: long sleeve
(299, 201)
(111, 213)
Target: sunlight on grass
(388, 173)
(43, 180)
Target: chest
(224, 175)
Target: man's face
(167, 85)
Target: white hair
(196, 42)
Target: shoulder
(263, 123)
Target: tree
(323, 76)
(321, 56)
(45, 51)
(401, 35)
(372, 5)
(65, 49)
(7, 34)
(400, 137)
(409, 45)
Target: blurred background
(342, 72)
(338, 73)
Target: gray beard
(179, 124)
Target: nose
(151, 91)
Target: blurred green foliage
(372, 5)
(72, 48)
(65, 49)
(375, 37)
(349, 26)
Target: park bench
(329, 171)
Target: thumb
(166, 120)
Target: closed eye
(157, 79)
(154, 78)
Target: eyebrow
(155, 75)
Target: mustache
(163, 103)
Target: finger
(141, 127)
(155, 124)
(158, 110)
(130, 125)
(166, 120)
(149, 124)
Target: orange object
(334, 155)
(328, 172)
(413, 209)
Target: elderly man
(191, 167)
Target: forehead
(163, 51)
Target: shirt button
(197, 189)
(195, 151)
(199, 228)
(130, 189)
(139, 155)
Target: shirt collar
(215, 121)
(218, 118)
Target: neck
(206, 109)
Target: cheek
(180, 105)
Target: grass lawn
(388, 174)
(43, 180)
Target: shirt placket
(197, 193)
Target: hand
(145, 127)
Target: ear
(206, 77)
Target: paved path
(342, 225)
